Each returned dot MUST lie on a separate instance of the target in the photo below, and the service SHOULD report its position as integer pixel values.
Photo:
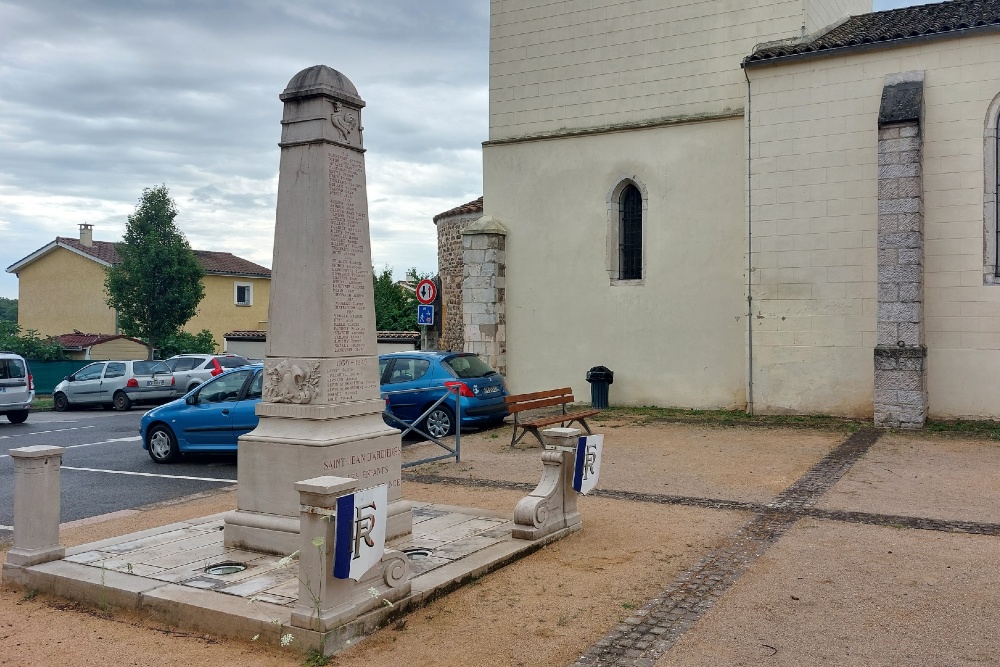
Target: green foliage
(395, 306)
(29, 346)
(8, 309)
(157, 286)
(183, 342)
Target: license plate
(491, 390)
(154, 383)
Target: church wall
(814, 219)
(676, 339)
(568, 65)
(822, 13)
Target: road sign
(425, 315)
(427, 291)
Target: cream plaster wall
(822, 13)
(219, 313)
(572, 64)
(678, 339)
(62, 291)
(814, 220)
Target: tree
(8, 309)
(29, 346)
(187, 343)
(395, 305)
(156, 288)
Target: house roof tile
(942, 19)
(225, 263)
(475, 206)
(78, 339)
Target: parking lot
(104, 468)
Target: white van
(17, 388)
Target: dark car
(413, 381)
(210, 418)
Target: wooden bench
(518, 403)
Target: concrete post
(36, 505)
(326, 602)
(551, 507)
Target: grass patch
(42, 402)
(982, 429)
(651, 415)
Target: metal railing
(417, 424)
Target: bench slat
(558, 419)
(540, 403)
(517, 398)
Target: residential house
(785, 205)
(61, 289)
(96, 347)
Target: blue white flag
(360, 532)
(588, 462)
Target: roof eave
(46, 249)
(870, 46)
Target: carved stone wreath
(291, 383)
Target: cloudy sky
(102, 98)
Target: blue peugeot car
(413, 381)
(209, 418)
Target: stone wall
(484, 245)
(449, 245)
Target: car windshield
(149, 367)
(232, 362)
(469, 366)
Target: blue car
(209, 418)
(413, 381)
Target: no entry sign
(427, 291)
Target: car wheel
(122, 402)
(17, 417)
(162, 444)
(440, 422)
(60, 402)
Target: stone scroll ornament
(291, 383)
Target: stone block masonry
(484, 317)
(900, 353)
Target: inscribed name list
(350, 256)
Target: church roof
(889, 28)
(475, 206)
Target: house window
(991, 192)
(243, 294)
(630, 234)
(627, 217)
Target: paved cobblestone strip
(644, 637)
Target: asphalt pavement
(104, 469)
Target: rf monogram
(363, 526)
(590, 458)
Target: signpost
(426, 294)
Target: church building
(783, 205)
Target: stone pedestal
(551, 507)
(321, 408)
(326, 602)
(36, 505)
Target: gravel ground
(823, 593)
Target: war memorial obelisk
(321, 412)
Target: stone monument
(321, 412)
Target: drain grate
(228, 567)
(417, 553)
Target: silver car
(115, 384)
(191, 370)
(17, 390)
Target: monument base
(28, 557)
(279, 535)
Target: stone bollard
(36, 505)
(326, 602)
(551, 507)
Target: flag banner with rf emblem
(588, 462)
(360, 532)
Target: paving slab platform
(162, 572)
